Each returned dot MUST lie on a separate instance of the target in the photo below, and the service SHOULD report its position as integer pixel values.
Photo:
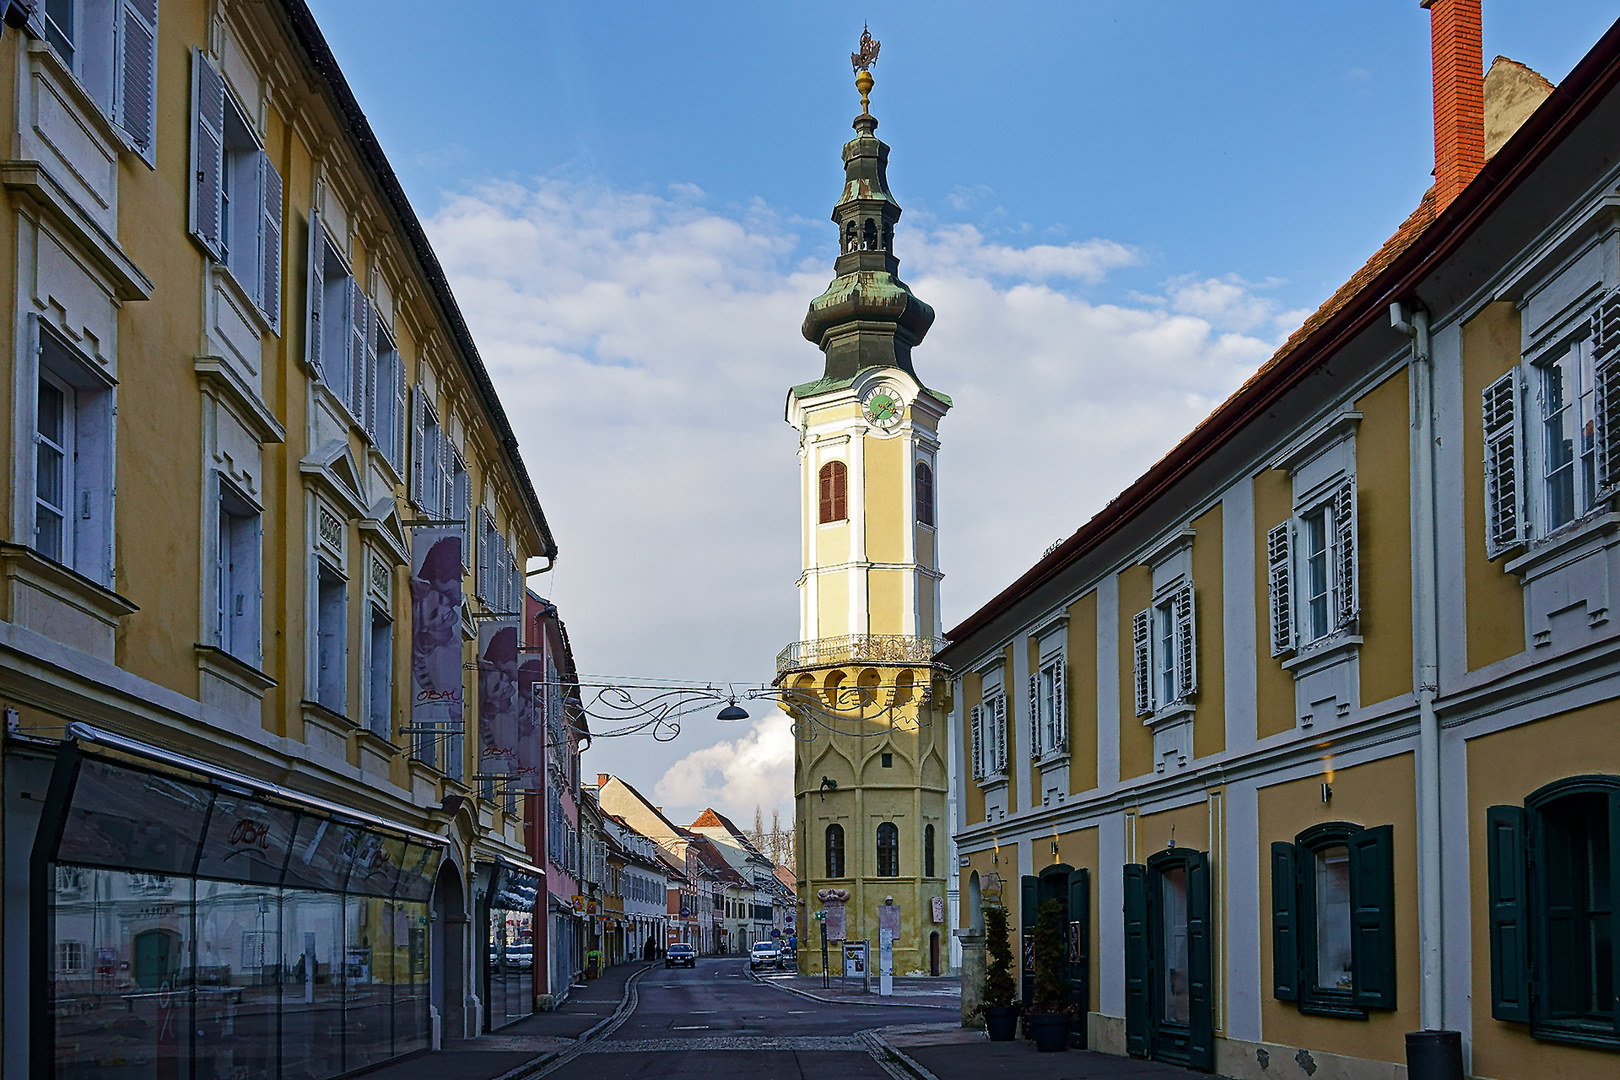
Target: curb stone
(894, 1061)
(890, 1004)
(547, 1063)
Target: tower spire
(867, 317)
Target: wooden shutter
(359, 378)
(840, 491)
(1060, 705)
(377, 391)
(1035, 716)
(135, 82)
(1186, 643)
(270, 196)
(1141, 634)
(1372, 916)
(1505, 527)
(1200, 965)
(207, 151)
(1080, 945)
(1507, 834)
(316, 267)
(824, 491)
(1284, 923)
(1280, 564)
(977, 723)
(418, 443)
(1001, 733)
(1137, 1016)
(1344, 555)
(1606, 371)
(1029, 895)
(401, 415)
(483, 554)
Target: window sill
(233, 669)
(228, 279)
(1322, 653)
(248, 406)
(30, 177)
(1595, 1037)
(1338, 1010)
(1170, 713)
(993, 782)
(1562, 547)
(55, 600)
(1054, 758)
(114, 140)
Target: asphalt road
(713, 1022)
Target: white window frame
(1048, 708)
(89, 401)
(380, 672)
(1165, 648)
(63, 448)
(1295, 634)
(331, 630)
(109, 59)
(1585, 491)
(239, 574)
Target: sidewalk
(949, 1051)
(944, 992)
(522, 1047)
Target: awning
(192, 819)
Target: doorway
(1169, 999)
(157, 959)
(447, 947)
(933, 953)
(1071, 887)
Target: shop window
(835, 851)
(382, 674)
(111, 48)
(239, 566)
(331, 638)
(1552, 865)
(1333, 919)
(834, 493)
(888, 850)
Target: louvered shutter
(1034, 716)
(1345, 565)
(1137, 1015)
(1372, 916)
(1186, 643)
(358, 377)
(135, 82)
(270, 195)
(401, 414)
(1060, 706)
(207, 151)
(1280, 564)
(1507, 832)
(482, 580)
(1001, 733)
(1505, 527)
(1606, 372)
(1200, 966)
(461, 510)
(418, 443)
(316, 267)
(376, 390)
(977, 724)
(1284, 923)
(442, 482)
(1141, 633)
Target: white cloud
(643, 345)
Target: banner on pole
(497, 696)
(533, 693)
(436, 628)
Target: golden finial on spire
(862, 63)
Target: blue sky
(1118, 211)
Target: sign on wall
(436, 628)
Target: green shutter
(1029, 911)
(1506, 830)
(1372, 916)
(1080, 945)
(1614, 896)
(1136, 961)
(1200, 966)
(1284, 924)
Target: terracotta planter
(1001, 1024)
(1049, 1030)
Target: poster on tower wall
(497, 696)
(436, 628)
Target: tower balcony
(858, 649)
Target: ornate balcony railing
(858, 648)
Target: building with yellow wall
(1313, 728)
(237, 383)
(870, 757)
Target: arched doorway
(933, 953)
(975, 904)
(447, 977)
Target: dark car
(680, 954)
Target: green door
(157, 958)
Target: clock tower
(869, 715)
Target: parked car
(680, 954)
(765, 953)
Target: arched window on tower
(928, 851)
(925, 494)
(850, 241)
(835, 851)
(834, 492)
(888, 236)
(870, 235)
(888, 850)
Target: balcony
(858, 649)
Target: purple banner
(497, 696)
(436, 626)
(531, 721)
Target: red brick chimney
(1459, 94)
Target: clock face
(883, 406)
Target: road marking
(690, 1027)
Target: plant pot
(1049, 1030)
(1001, 1024)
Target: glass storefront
(198, 933)
(509, 974)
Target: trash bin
(1434, 1055)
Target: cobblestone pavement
(732, 1042)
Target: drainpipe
(1425, 582)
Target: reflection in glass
(236, 976)
(1333, 918)
(1173, 892)
(119, 989)
(247, 840)
(368, 981)
(410, 976)
(322, 854)
(311, 984)
(133, 820)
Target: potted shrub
(1000, 1012)
(1048, 1020)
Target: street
(715, 1020)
